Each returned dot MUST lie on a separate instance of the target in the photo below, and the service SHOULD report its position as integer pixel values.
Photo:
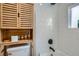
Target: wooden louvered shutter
(25, 15)
(9, 15)
(0, 14)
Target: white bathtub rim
(56, 53)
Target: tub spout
(52, 49)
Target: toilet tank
(19, 51)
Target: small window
(74, 16)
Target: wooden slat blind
(9, 15)
(26, 15)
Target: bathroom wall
(68, 39)
(44, 27)
(65, 39)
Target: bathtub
(59, 53)
(56, 53)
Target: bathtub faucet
(52, 49)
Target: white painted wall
(65, 39)
(68, 39)
(44, 27)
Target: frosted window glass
(75, 17)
